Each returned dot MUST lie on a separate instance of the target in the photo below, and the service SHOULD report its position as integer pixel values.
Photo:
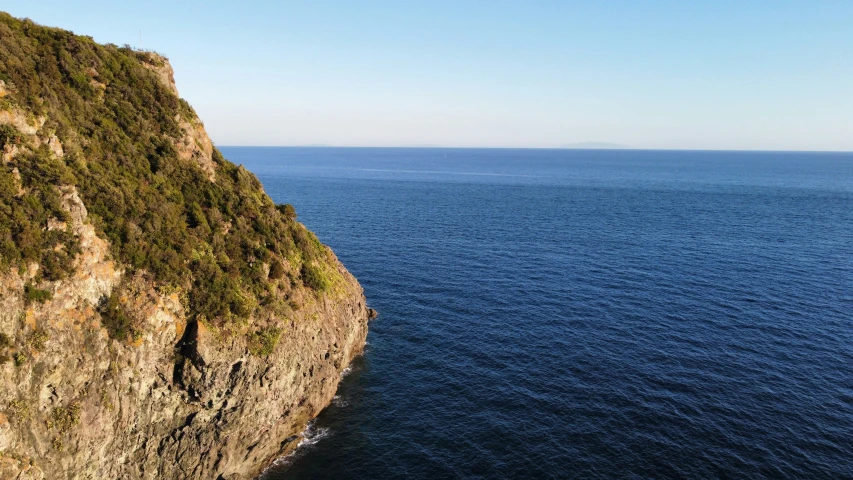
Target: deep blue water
(584, 314)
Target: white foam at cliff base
(310, 436)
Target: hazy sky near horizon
(773, 75)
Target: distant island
(595, 145)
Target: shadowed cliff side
(160, 316)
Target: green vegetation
(19, 409)
(36, 340)
(287, 210)
(118, 126)
(24, 237)
(276, 270)
(5, 344)
(33, 294)
(263, 342)
(9, 135)
(64, 418)
(115, 319)
(314, 277)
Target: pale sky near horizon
(769, 75)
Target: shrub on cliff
(287, 210)
(276, 270)
(314, 277)
(118, 323)
(24, 236)
(9, 135)
(5, 345)
(264, 341)
(33, 294)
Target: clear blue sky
(772, 75)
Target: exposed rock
(29, 127)
(16, 174)
(26, 124)
(163, 69)
(196, 145)
(55, 146)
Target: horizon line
(622, 149)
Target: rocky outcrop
(181, 401)
(163, 69)
(78, 404)
(194, 144)
(180, 398)
(28, 127)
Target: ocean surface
(583, 314)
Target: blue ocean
(583, 313)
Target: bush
(119, 325)
(23, 218)
(9, 135)
(33, 294)
(287, 211)
(276, 270)
(37, 340)
(314, 278)
(5, 343)
(64, 418)
(263, 342)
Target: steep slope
(160, 316)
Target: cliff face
(198, 353)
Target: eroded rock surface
(78, 404)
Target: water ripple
(585, 315)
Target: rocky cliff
(160, 317)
